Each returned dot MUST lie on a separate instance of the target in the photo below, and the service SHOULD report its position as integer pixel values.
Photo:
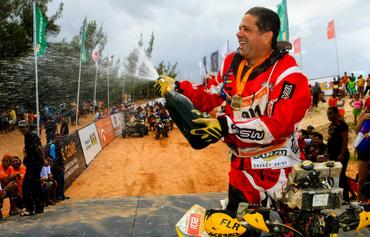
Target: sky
(185, 31)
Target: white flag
(202, 70)
(223, 50)
(95, 54)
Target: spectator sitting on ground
(316, 150)
(49, 185)
(310, 130)
(16, 163)
(9, 184)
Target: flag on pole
(331, 30)
(214, 61)
(110, 58)
(297, 46)
(83, 46)
(223, 51)
(95, 54)
(41, 23)
(282, 11)
(202, 70)
(205, 64)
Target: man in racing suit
(264, 95)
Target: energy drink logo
(194, 224)
(270, 156)
(93, 139)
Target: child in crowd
(357, 106)
(337, 100)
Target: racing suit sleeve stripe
(287, 72)
(202, 100)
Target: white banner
(90, 142)
(118, 123)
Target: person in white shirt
(48, 183)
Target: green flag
(83, 48)
(41, 22)
(282, 11)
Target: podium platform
(127, 216)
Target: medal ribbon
(240, 84)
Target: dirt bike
(151, 121)
(300, 209)
(160, 129)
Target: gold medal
(236, 102)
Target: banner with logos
(74, 161)
(90, 142)
(105, 130)
(118, 123)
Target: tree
(149, 50)
(94, 36)
(16, 26)
(168, 70)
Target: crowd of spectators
(336, 149)
(36, 183)
(37, 180)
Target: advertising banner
(90, 142)
(105, 131)
(74, 161)
(118, 123)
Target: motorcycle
(160, 129)
(300, 209)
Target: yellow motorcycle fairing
(221, 224)
(364, 220)
(256, 221)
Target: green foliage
(16, 26)
(149, 50)
(94, 36)
(168, 70)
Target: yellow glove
(209, 133)
(164, 84)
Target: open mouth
(242, 44)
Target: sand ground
(144, 166)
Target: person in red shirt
(367, 105)
(20, 169)
(8, 183)
(265, 95)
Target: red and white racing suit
(262, 134)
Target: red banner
(297, 45)
(331, 30)
(105, 130)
